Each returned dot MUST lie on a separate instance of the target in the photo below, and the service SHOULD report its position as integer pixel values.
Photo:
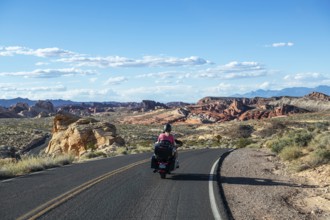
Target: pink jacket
(165, 137)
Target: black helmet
(167, 128)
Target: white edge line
(7, 180)
(214, 206)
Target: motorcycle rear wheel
(162, 175)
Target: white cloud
(55, 92)
(222, 89)
(41, 64)
(12, 88)
(281, 44)
(76, 59)
(164, 82)
(115, 80)
(264, 85)
(235, 70)
(163, 92)
(306, 77)
(42, 52)
(146, 61)
(49, 73)
(159, 75)
(93, 80)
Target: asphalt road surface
(116, 188)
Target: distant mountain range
(295, 92)
(60, 103)
(9, 102)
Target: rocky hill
(220, 109)
(24, 110)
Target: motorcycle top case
(163, 150)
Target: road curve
(130, 193)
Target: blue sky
(164, 50)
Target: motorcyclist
(167, 136)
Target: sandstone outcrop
(159, 116)
(75, 135)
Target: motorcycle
(164, 161)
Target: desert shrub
(192, 143)
(63, 159)
(298, 138)
(122, 151)
(144, 143)
(273, 128)
(291, 153)
(255, 145)
(279, 144)
(239, 131)
(319, 157)
(302, 138)
(243, 142)
(142, 149)
(321, 141)
(218, 138)
(321, 126)
(245, 131)
(94, 154)
(90, 146)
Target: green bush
(321, 141)
(302, 139)
(243, 142)
(239, 131)
(279, 144)
(273, 128)
(319, 157)
(94, 154)
(90, 146)
(291, 153)
(322, 126)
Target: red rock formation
(318, 96)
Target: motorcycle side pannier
(154, 162)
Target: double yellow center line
(46, 207)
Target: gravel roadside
(256, 186)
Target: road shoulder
(256, 186)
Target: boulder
(75, 135)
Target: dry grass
(30, 164)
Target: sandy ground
(256, 185)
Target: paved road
(133, 193)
